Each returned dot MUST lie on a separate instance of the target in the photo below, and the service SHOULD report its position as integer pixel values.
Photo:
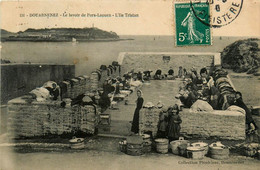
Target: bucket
(146, 137)
(195, 152)
(77, 143)
(134, 149)
(174, 145)
(182, 148)
(123, 146)
(134, 145)
(147, 147)
(202, 145)
(162, 145)
(219, 152)
(250, 152)
(251, 149)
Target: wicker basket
(251, 149)
(203, 145)
(162, 145)
(75, 90)
(134, 149)
(94, 81)
(77, 143)
(148, 120)
(147, 147)
(195, 152)
(134, 145)
(219, 152)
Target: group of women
(216, 89)
(159, 75)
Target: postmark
(222, 12)
(189, 29)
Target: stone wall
(19, 79)
(39, 119)
(153, 61)
(219, 124)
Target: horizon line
(132, 34)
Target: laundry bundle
(219, 73)
(149, 119)
(88, 83)
(41, 94)
(82, 83)
(201, 106)
(94, 81)
(65, 87)
(75, 88)
(89, 118)
(225, 87)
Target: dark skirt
(135, 123)
(161, 134)
(174, 131)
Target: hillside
(60, 34)
(5, 34)
(242, 56)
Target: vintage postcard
(120, 84)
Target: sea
(88, 56)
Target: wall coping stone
(21, 101)
(215, 112)
(121, 55)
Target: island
(92, 34)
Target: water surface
(90, 55)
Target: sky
(156, 17)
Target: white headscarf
(140, 92)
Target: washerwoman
(139, 105)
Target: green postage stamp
(192, 24)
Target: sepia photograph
(130, 85)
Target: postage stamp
(189, 28)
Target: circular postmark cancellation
(222, 12)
